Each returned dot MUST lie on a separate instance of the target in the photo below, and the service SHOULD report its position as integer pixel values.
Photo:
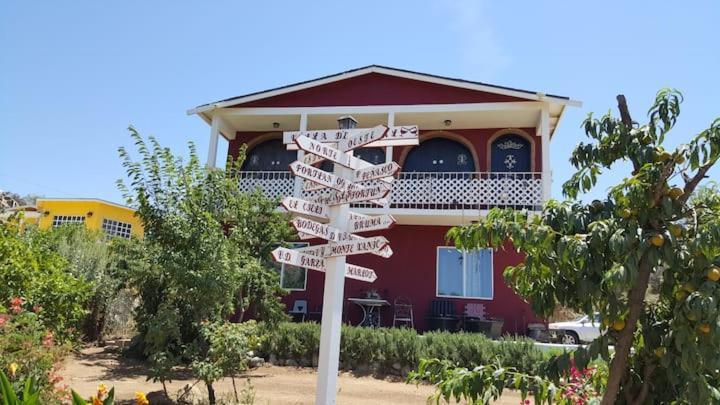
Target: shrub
(389, 350)
(28, 352)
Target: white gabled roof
(407, 74)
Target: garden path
(273, 385)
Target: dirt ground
(273, 385)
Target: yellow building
(113, 219)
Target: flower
(3, 318)
(101, 390)
(95, 400)
(140, 399)
(37, 308)
(16, 302)
(48, 340)
(12, 369)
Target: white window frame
(116, 226)
(282, 269)
(60, 220)
(464, 275)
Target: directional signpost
(328, 217)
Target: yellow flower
(96, 401)
(101, 390)
(140, 399)
(12, 368)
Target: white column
(389, 149)
(545, 139)
(298, 184)
(333, 294)
(214, 136)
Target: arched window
(439, 155)
(269, 156)
(510, 153)
(373, 155)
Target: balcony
(435, 198)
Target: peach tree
(600, 257)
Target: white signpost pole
(348, 174)
(329, 358)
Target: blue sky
(74, 75)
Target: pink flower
(16, 302)
(3, 318)
(48, 340)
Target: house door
(439, 155)
(510, 153)
(269, 156)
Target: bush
(31, 269)
(28, 351)
(390, 350)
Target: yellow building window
(67, 219)
(116, 228)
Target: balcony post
(214, 136)
(544, 126)
(298, 183)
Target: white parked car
(576, 331)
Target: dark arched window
(439, 155)
(373, 155)
(269, 156)
(510, 153)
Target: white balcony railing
(429, 190)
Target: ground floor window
(116, 228)
(67, 219)
(293, 278)
(466, 274)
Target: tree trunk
(618, 366)
(211, 393)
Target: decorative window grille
(464, 274)
(116, 228)
(67, 219)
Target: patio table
(371, 310)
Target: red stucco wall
(378, 89)
(411, 271)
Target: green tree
(202, 256)
(599, 257)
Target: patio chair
(403, 312)
(299, 310)
(442, 316)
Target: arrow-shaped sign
(362, 138)
(375, 194)
(310, 209)
(326, 250)
(396, 136)
(376, 172)
(360, 273)
(370, 223)
(326, 151)
(318, 230)
(295, 258)
(318, 176)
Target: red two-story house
(480, 146)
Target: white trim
(389, 72)
(384, 109)
(97, 200)
(282, 269)
(437, 275)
